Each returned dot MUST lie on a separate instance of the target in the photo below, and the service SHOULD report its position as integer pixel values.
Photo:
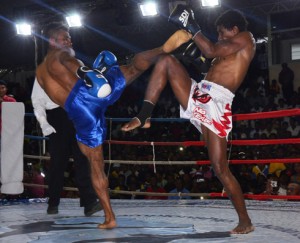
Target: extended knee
(167, 60)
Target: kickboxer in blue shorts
(86, 93)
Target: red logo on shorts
(225, 123)
(200, 114)
(202, 98)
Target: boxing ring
(209, 218)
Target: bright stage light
(210, 3)
(23, 29)
(148, 9)
(74, 20)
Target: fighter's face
(63, 41)
(224, 34)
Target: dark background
(116, 25)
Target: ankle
(145, 112)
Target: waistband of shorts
(224, 92)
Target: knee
(166, 60)
(220, 171)
(217, 171)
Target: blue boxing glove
(95, 81)
(183, 17)
(104, 61)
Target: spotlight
(210, 3)
(148, 9)
(74, 20)
(23, 29)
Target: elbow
(209, 54)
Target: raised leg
(167, 68)
(100, 183)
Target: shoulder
(9, 99)
(245, 36)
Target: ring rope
(237, 117)
(202, 143)
(183, 162)
(181, 194)
(266, 115)
(196, 143)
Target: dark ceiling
(112, 24)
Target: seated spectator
(256, 108)
(284, 180)
(283, 132)
(179, 189)
(120, 186)
(133, 185)
(274, 88)
(294, 127)
(4, 97)
(201, 184)
(155, 188)
(269, 129)
(282, 104)
(295, 177)
(293, 189)
(276, 168)
(259, 185)
(271, 105)
(256, 130)
(272, 185)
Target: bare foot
(135, 123)
(177, 39)
(108, 225)
(242, 229)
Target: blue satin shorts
(88, 112)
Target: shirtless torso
(232, 57)
(57, 74)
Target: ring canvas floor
(154, 221)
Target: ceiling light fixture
(148, 9)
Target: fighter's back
(57, 75)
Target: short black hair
(231, 18)
(2, 82)
(51, 29)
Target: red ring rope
(237, 117)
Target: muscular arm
(222, 48)
(143, 60)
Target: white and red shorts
(210, 105)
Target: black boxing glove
(183, 18)
(192, 51)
